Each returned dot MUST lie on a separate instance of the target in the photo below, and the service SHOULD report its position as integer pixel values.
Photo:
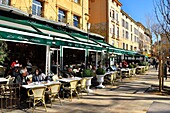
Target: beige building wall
(50, 10)
(114, 23)
(98, 19)
(129, 35)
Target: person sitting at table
(15, 73)
(124, 64)
(37, 76)
(29, 66)
(22, 78)
(69, 73)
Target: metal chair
(54, 91)
(38, 96)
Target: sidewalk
(130, 96)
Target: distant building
(119, 29)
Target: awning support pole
(96, 59)
(47, 55)
(57, 62)
(61, 57)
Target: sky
(138, 9)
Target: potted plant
(100, 73)
(3, 56)
(88, 74)
(130, 66)
(3, 51)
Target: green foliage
(3, 51)
(130, 66)
(100, 71)
(134, 65)
(143, 63)
(87, 73)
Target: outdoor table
(3, 80)
(33, 85)
(126, 71)
(69, 79)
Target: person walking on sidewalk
(156, 64)
(165, 71)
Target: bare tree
(162, 12)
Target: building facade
(118, 28)
(73, 12)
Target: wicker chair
(38, 96)
(72, 88)
(82, 85)
(54, 92)
(113, 77)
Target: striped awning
(26, 31)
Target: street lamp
(86, 54)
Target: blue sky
(138, 9)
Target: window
(127, 25)
(131, 37)
(135, 39)
(117, 32)
(126, 46)
(135, 31)
(36, 8)
(113, 14)
(131, 28)
(113, 42)
(131, 48)
(61, 16)
(123, 33)
(77, 1)
(113, 29)
(76, 21)
(123, 23)
(127, 34)
(123, 45)
(5, 2)
(117, 17)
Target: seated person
(69, 73)
(114, 68)
(15, 73)
(22, 78)
(37, 76)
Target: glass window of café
(73, 56)
(76, 21)
(5, 2)
(61, 15)
(37, 8)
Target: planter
(88, 84)
(100, 79)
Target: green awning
(26, 31)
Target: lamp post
(87, 53)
